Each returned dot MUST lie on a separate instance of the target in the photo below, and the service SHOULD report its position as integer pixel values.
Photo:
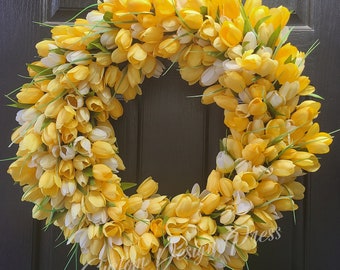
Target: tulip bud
(224, 162)
(147, 188)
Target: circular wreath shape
(67, 158)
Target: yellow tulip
(244, 225)
(118, 212)
(305, 112)
(41, 213)
(209, 29)
(147, 188)
(230, 8)
(151, 35)
(32, 194)
(175, 226)
(234, 122)
(213, 181)
(157, 204)
(29, 95)
(138, 5)
(102, 172)
(164, 8)
(283, 167)
(112, 75)
(183, 206)
(285, 204)
(297, 189)
(147, 20)
(157, 227)
(205, 244)
(210, 203)
(43, 47)
(207, 225)
(53, 107)
(134, 203)
(317, 142)
(191, 18)
(22, 173)
(191, 74)
(68, 135)
(168, 47)
(269, 189)
(50, 135)
(192, 56)
(123, 39)
(113, 229)
(211, 92)
(226, 102)
(94, 104)
(111, 188)
(250, 5)
(233, 80)
(49, 183)
(103, 150)
(247, 244)
(115, 108)
(29, 144)
(136, 55)
(148, 242)
(257, 107)
(65, 116)
(278, 17)
(245, 182)
(78, 73)
(287, 73)
(66, 169)
(230, 34)
(307, 161)
(255, 197)
(249, 60)
(134, 75)
(93, 201)
(254, 151)
(119, 56)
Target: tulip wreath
(67, 158)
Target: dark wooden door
(165, 123)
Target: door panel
(172, 137)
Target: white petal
(249, 41)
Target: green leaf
(315, 96)
(273, 38)
(88, 171)
(127, 185)
(42, 71)
(19, 105)
(108, 16)
(243, 255)
(204, 10)
(9, 159)
(216, 214)
(256, 218)
(222, 229)
(81, 189)
(58, 51)
(272, 111)
(259, 22)
(110, 204)
(247, 25)
(46, 122)
(96, 45)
